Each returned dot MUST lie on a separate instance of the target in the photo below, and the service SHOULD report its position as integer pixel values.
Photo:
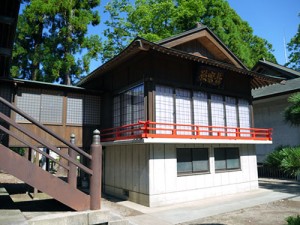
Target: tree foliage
(49, 35)
(286, 159)
(294, 48)
(158, 19)
(292, 113)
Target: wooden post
(96, 166)
(72, 174)
(37, 163)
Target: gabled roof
(141, 45)
(273, 69)
(206, 38)
(285, 87)
(9, 11)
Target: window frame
(226, 153)
(192, 160)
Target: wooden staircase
(65, 192)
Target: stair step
(42, 180)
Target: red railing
(149, 129)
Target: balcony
(154, 132)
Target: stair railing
(96, 152)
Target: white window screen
(28, 100)
(75, 109)
(164, 105)
(217, 114)
(244, 115)
(201, 111)
(183, 110)
(117, 111)
(92, 109)
(51, 107)
(231, 115)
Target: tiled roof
(285, 71)
(287, 86)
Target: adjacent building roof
(288, 86)
(46, 85)
(9, 11)
(140, 44)
(273, 69)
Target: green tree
(158, 19)
(50, 34)
(294, 48)
(292, 113)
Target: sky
(274, 20)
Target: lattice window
(75, 109)
(244, 116)
(28, 100)
(51, 107)
(183, 110)
(127, 108)
(217, 114)
(92, 104)
(117, 111)
(138, 103)
(231, 115)
(164, 105)
(201, 111)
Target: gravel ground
(273, 213)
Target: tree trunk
(36, 56)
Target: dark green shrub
(275, 158)
(286, 159)
(291, 161)
(20, 151)
(293, 220)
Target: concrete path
(270, 191)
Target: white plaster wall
(165, 187)
(149, 173)
(268, 113)
(126, 168)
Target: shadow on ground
(23, 192)
(291, 187)
(209, 224)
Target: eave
(140, 44)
